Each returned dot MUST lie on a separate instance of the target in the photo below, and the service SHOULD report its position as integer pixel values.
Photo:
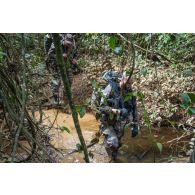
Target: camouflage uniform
(52, 63)
(112, 126)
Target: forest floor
(162, 91)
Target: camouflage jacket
(50, 48)
(111, 96)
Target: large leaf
(191, 111)
(192, 97)
(185, 98)
(65, 129)
(159, 146)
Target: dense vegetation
(162, 68)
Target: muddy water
(133, 150)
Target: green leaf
(2, 53)
(144, 71)
(111, 116)
(112, 42)
(65, 129)
(127, 127)
(187, 73)
(124, 146)
(184, 106)
(159, 146)
(191, 111)
(192, 97)
(79, 147)
(81, 110)
(128, 72)
(185, 98)
(94, 84)
(170, 158)
(140, 94)
(128, 97)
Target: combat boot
(112, 153)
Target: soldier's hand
(116, 111)
(134, 132)
(74, 61)
(65, 55)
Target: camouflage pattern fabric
(53, 67)
(113, 134)
(113, 127)
(56, 78)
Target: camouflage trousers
(113, 135)
(56, 80)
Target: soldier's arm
(74, 61)
(95, 101)
(74, 54)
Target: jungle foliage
(22, 71)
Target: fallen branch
(178, 138)
(140, 157)
(76, 150)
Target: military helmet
(110, 75)
(69, 37)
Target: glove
(134, 132)
(74, 62)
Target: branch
(149, 51)
(63, 66)
(24, 98)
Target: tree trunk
(63, 71)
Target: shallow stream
(133, 150)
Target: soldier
(69, 54)
(114, 112)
